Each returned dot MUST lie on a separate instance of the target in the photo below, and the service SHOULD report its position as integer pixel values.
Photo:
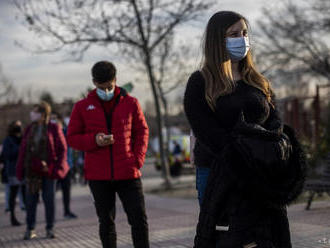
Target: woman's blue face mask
(237, 48)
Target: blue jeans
(48, 197)
(202, 174)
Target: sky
(65, 79)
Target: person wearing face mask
(10, 154)
(109, 126)
(42, 160)
(244, 183)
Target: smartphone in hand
(108, 138)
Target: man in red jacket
(109, 126)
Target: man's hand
(102, 139)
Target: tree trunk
(163, 158)
(166, 122)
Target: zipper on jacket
(108, 118)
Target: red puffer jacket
(126, 123)
(57, 153)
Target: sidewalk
(171, 222)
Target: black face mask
(17, 129)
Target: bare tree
(28, 94)
(172, 67)
(138, 27)
(296, 37)
(7, 90)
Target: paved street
(172, 224)
(172, 221)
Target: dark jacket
(245, 192)
(56, 150)
(10, 151)
(250, 195)
(211, 129)
(122, 160)
(4, 178)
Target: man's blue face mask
(237, 48)
(105, 95)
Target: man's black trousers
(131, 195)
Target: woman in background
(42, 160)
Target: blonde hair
(44, 108)
(216, 64)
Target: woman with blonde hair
(41, 160)
(252, 165)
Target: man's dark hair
(103, 71)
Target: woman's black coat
(250, 197)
